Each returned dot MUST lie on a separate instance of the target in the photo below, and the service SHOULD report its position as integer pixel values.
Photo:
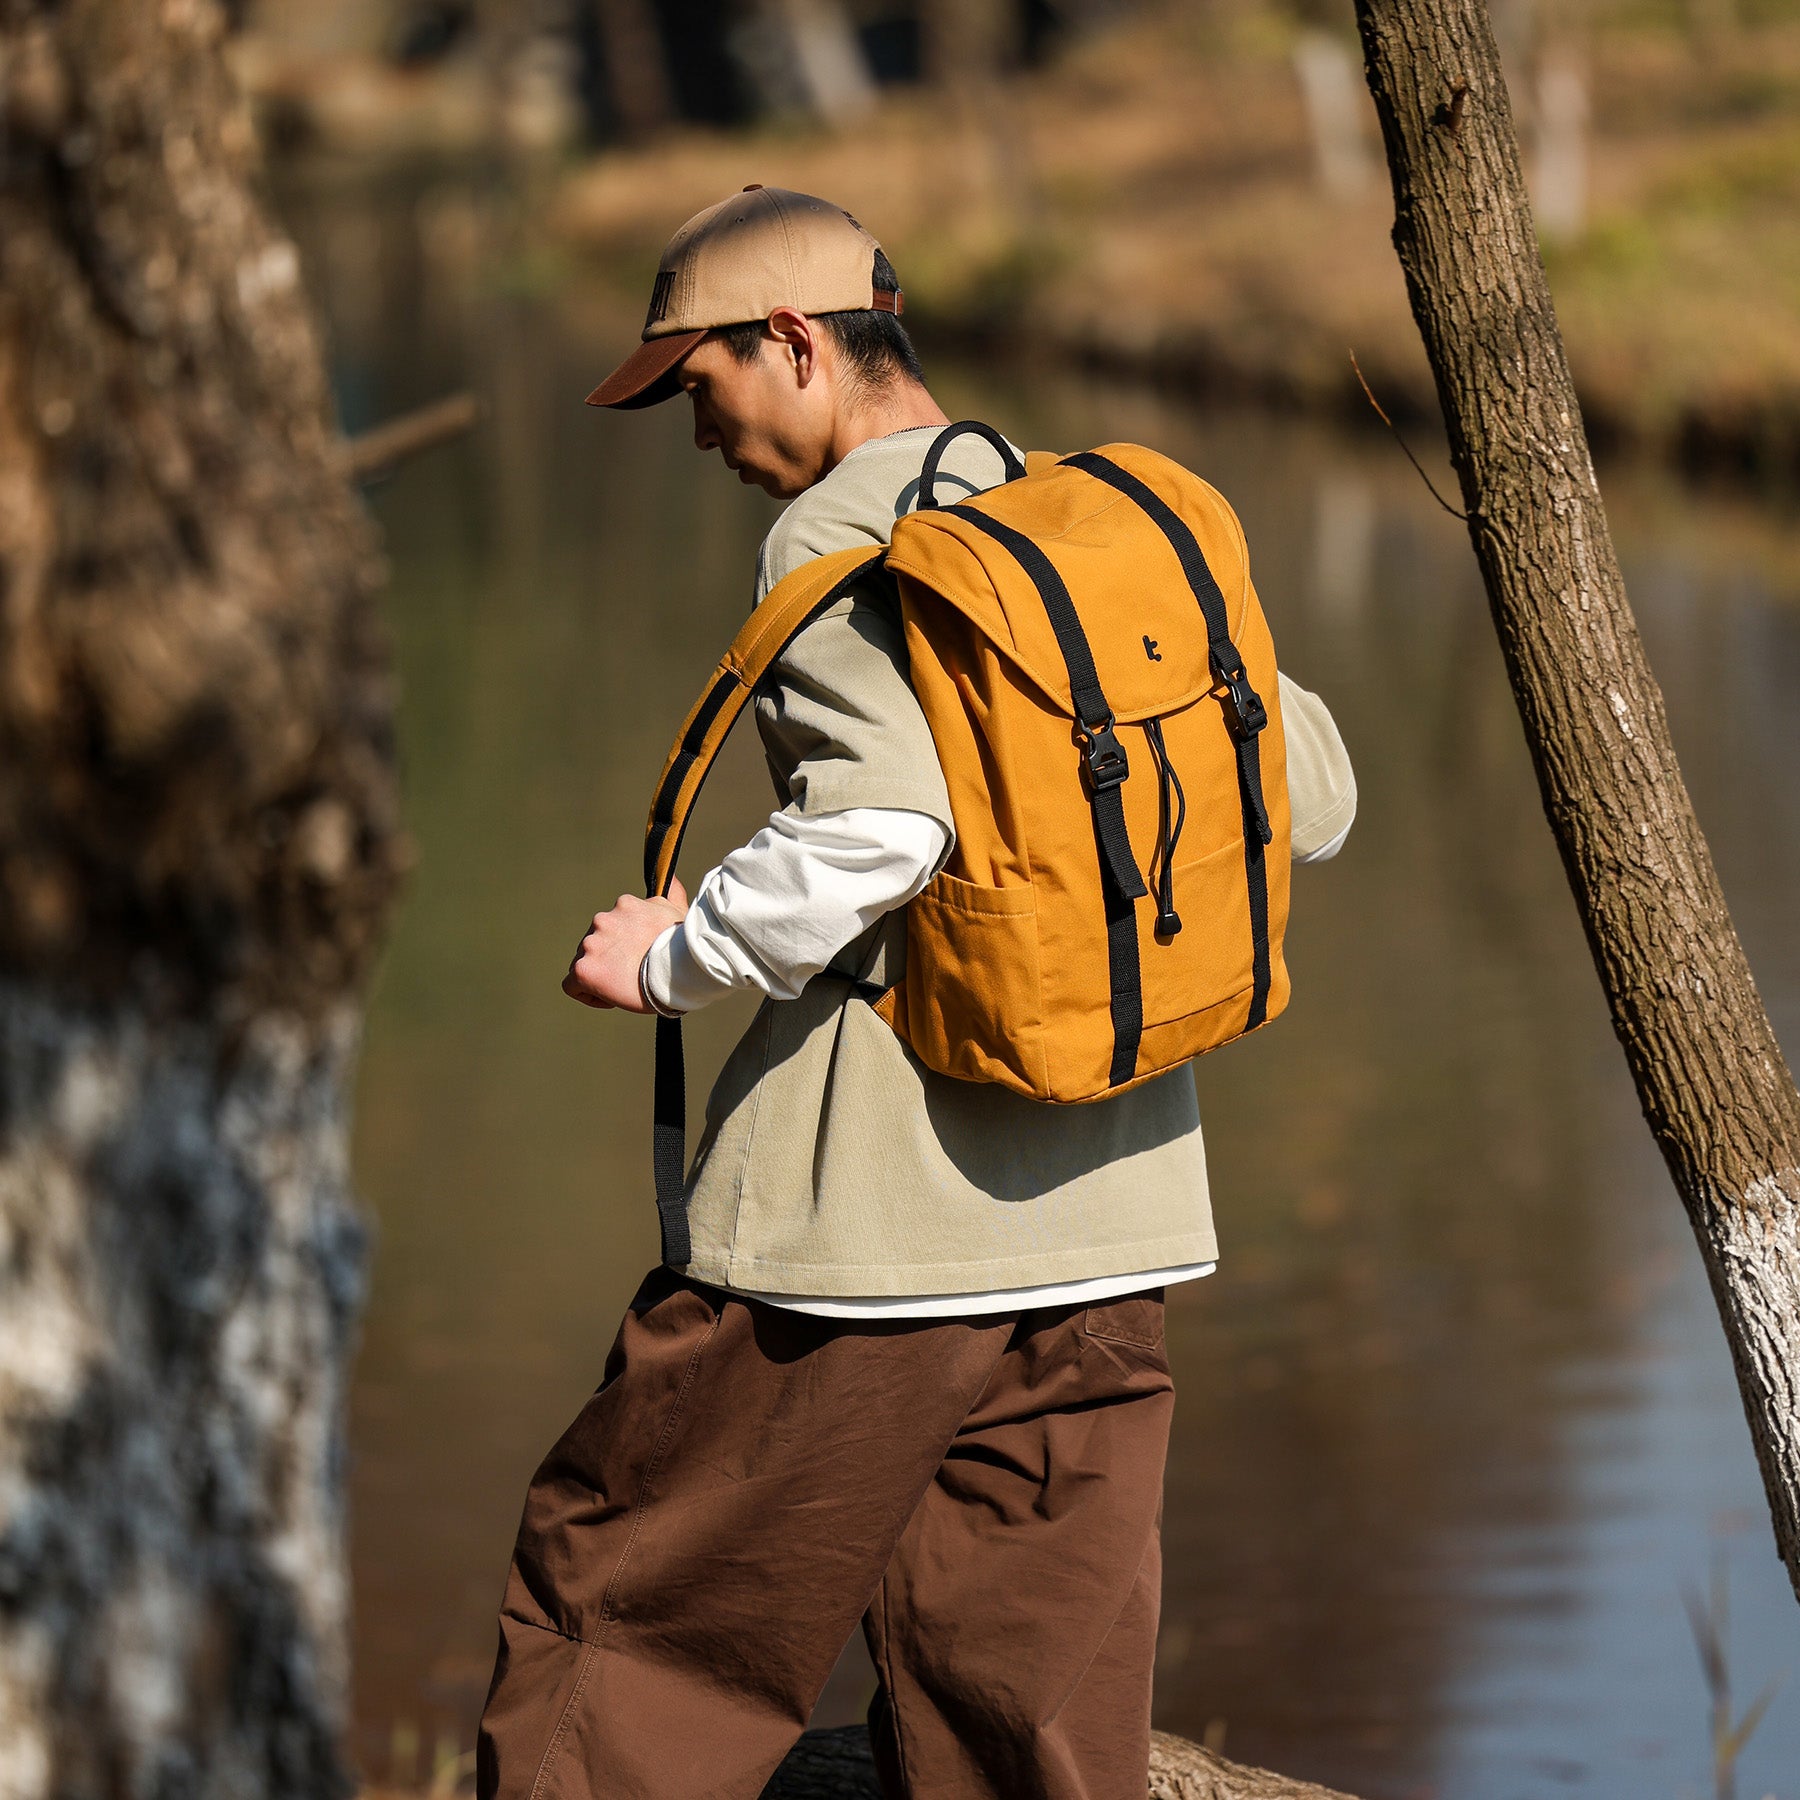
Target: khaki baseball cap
(737, 261)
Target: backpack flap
(1135, 602)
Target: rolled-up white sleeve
(775, 913)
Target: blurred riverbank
(1194, 195)
(1160, 203)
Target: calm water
(1456, 1424)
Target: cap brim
(647, 375)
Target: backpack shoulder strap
(790, 607)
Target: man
(913, 1371)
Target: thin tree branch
(1369, 393)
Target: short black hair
(874, 345)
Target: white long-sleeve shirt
(773, 915)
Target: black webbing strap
(668, 1144)
(1256, 873)
(668, 1119)
(1256, 880)
(1104, 771)
(1122, 972)
(1245, 714)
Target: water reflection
(1456, 1420)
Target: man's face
(763, 416)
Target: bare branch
(377, 452)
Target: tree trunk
(637, 76)
(828, 60)
(837, 1765)
(197, 845)
(1710, 1075)
(967, 43)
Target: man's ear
(797, 339)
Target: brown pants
(746, 1482)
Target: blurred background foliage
(1187, 188)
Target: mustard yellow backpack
(1100, 684)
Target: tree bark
(636, 71)
(198, 842)
(837, 1765)
(1718, 1096)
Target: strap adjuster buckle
(1245, 712)
(1103, 759)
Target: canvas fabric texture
(1011, 950)
(832, 1161)
(746, 1483)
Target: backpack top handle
(928, 500)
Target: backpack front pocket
(974, 990)
(1209, 962)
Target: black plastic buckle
(1246, 714)
(1102, 758)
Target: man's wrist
(649, 969)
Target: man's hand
(605, 969)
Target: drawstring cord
(1162, 864)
